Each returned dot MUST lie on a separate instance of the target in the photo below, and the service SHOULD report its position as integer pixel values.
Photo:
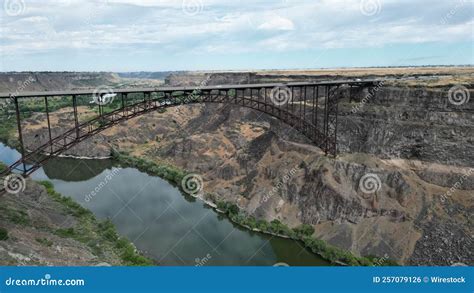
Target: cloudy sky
(154, 35)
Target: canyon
(406, 134)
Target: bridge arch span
(311, 109)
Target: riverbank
(39, 226)
(303, 233)
(158, 198)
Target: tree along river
(170, 227)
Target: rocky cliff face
(412, 76)
(402, 186)
(410, 123)
(51, 81)
(15, 82)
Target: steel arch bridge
(310, 108)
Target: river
(166, 225)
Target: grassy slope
(100, 236)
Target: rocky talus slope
(415, 148)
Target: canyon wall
(411, 143)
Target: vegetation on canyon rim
(6, 130)
(28, 107)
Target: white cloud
(229, 26)
(276, 22)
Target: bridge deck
(190, 88)
(297, 106)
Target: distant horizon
(249, 70)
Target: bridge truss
(309, 108)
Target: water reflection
(60, 168)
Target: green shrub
(126, 250)
(3, 234)
(263, 225)
(130, 256)
(304, 230)
(48, 185)
(169, 173)
(279, 228)
(7, 129)
(44, 241)
(233, 209)
(73, 207)
(19, 217)
(251, 222)
(66, 233)
(107, 230)
(2, 167)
